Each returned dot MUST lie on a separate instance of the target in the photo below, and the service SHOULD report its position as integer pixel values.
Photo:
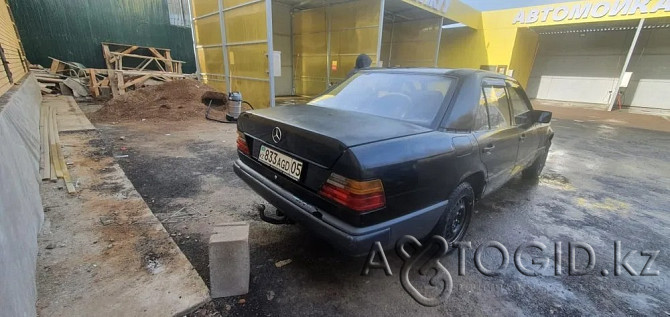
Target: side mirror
(542, 116)
(525, 118)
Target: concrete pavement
(615, 118)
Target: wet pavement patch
(161, 178)
(596, 188)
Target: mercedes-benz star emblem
(276, 134)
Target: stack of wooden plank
(58, 114)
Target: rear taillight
(358, 196)
(242, 143)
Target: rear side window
(482, 115)
(497, 106)
(519, 106)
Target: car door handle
(488, 148)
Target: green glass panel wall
(72, 30)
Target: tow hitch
(277, 219)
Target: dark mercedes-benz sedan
(392, 152)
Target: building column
(613, 97)
(439, 39)
(379, 35)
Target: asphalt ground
(602, 183)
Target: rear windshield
(415, 98)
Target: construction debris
(283, 263)
(144, 66)
(49, 84)
(172, 101)
(143, 56)
(121, 81)
(71, 69)
(66, 78)
(77, 88)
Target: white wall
(21, 213)
(281, 40)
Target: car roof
(456, 72)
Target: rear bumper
(355, 241)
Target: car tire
(456, 217)
(534, 171)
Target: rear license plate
(281, 162)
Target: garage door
(650, 65)
(579, 67)
(583, 66)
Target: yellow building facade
(234, 41)
(13, 63)
(505, 37)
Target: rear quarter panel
(416, 171)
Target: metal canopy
(298, 5)
(401, 11)
(603, 26)
(396, 10)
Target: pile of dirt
(177, 100)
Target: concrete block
(229, 266)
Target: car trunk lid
(319, 134)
